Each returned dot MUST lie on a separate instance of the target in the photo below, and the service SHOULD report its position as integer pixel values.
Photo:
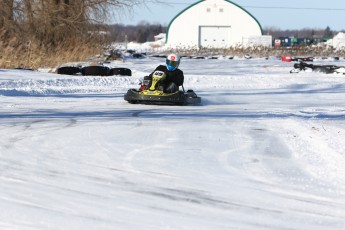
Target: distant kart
(298, 59)
(153, 95)
(328, 69)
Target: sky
(264, 150)
(292, 14)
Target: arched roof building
(211, 23)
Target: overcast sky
(288, 14)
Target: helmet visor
(172, 63)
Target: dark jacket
(175, 76)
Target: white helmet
(172, 62)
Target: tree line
(140, 33)
(145, 31)
(301, 33)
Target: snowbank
(338, 42)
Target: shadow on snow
(193, 115)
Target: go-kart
(152, 93)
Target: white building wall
(184, 28)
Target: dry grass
(15, 54)
(314, 51)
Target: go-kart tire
(137, 55)
(120, 71)
(95, 71)
(68, 70)
(21, 68)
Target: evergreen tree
(328, 33)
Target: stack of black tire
(97, 70)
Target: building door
(214, 36)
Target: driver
(174, 76)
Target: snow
(337, 42)
(264, 150)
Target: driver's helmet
(172, 61)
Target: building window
(208, 10)
(221, 10)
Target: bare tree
(54, 21)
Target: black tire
(95, 71)
(138, 55)
(20, 68)
(68, 70)
(120, 71)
